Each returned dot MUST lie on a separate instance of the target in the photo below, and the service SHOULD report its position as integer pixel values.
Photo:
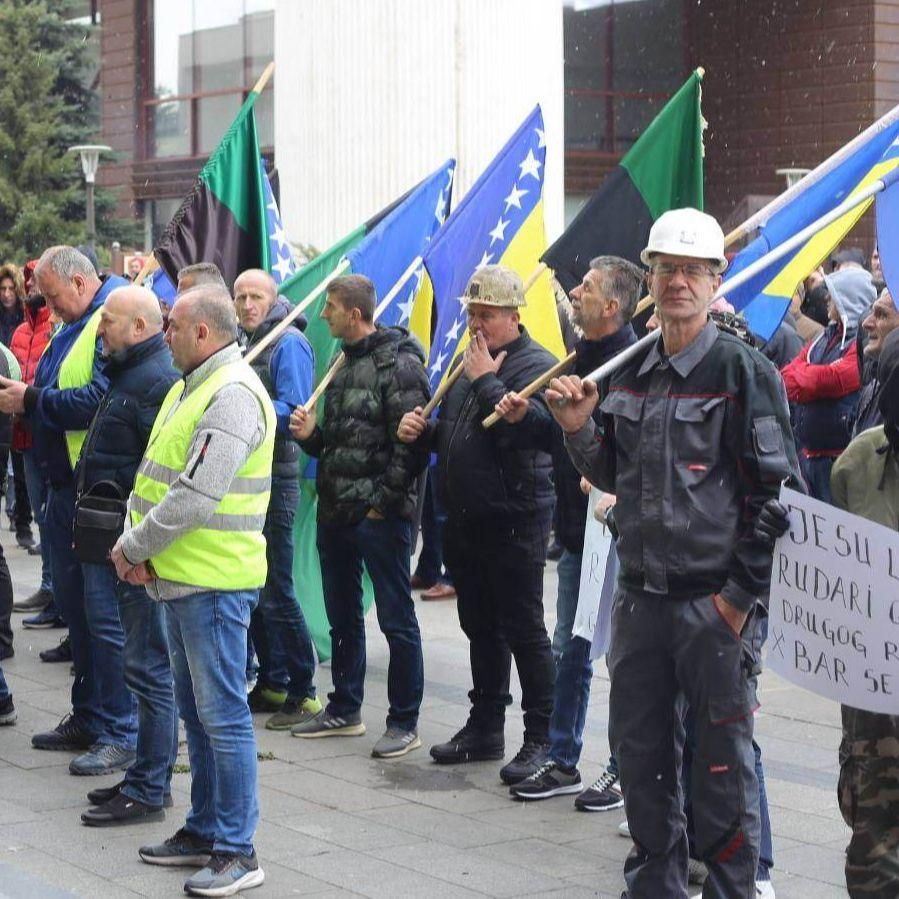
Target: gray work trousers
(666, 654)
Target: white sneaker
(624, 830)
(764, 889)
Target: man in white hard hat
(694, 437)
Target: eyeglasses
(690, 270)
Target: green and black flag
(222, 219)
(662, 171)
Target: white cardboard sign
(834, 610)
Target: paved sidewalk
(337, 822)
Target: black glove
(773, 522)
(611, 523)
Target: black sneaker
(7, 712)
(25, 538)
(104, 794)
(548, 780)
(122, 809)
(60, 653)
(38, 601)
(602, 795)
(225, 874)
(183, 849)
(530, 757)
(470, 745)
(67, 735)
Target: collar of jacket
(279, 311)
(515, 345)
(224, 356)
(688, 358)
(381, 336)
(593, 353)
(134, 355)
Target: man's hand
(412, 425)
(12, 395)
(512, 408)
(586, 486)
(477, 359)
(731, 614)
(603, 504)
(139, 575)
(302, 423)
(572, 401)
(773, 522)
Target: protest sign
(591, 621)
(834, 611)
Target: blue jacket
(53, 411)
(139, 380)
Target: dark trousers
(384, 546)
(497, 570)
(68, 584)
(666, 654)
(430, 560)
(278, 627)
(5, 602)
(21, 510)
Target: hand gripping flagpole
(752, 270)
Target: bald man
(131, 662)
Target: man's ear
(202, 331)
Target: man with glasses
(693, 438)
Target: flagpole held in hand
(442, 390)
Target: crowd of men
(162, 451)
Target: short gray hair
(65, 262)
(213, 306)
(622, 280)
(203, 273)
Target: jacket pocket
(627, 408)
(768, 443)
(698, 423)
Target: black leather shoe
(122, 809)
(470, 745)
(104, 794)
(60, 653)
(529, 758)
(68, 734)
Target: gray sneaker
(293, 712)
(37, 602)
(395, 742)
(324, 724)
(225, 874)
(101, 758)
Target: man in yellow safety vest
(196, 514)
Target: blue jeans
(574, 670)
(37, 493)
(4, 689)
(66, 570)
(384, 546)
(281, 615)
(148, 676)
(116, 706)
(817, 475)
(207, 637)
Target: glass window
(618, 72)
(205, 57)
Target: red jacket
(27, 344)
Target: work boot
(470, 744)
(529, 758)
(37, 602)
(122, 809)
(60, 653)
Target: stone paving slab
(335, 822)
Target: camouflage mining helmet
(495, 285)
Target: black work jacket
(692, 445)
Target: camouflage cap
(495, 285)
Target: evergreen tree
(46, 105)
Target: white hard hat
(686, 232)
(495, 285)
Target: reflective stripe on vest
(228, 551)
(76, 371)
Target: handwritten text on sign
(834, 613)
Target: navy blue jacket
(139, 380)
(53, 411)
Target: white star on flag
(541, 137)
(485, 259)
(514, 198)
(499, 232)
(279, 235)
(273, 206)
(438, 363)
(283, 266)
(453, 334)
(406, 308)
(530, 165)
(440, 211)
